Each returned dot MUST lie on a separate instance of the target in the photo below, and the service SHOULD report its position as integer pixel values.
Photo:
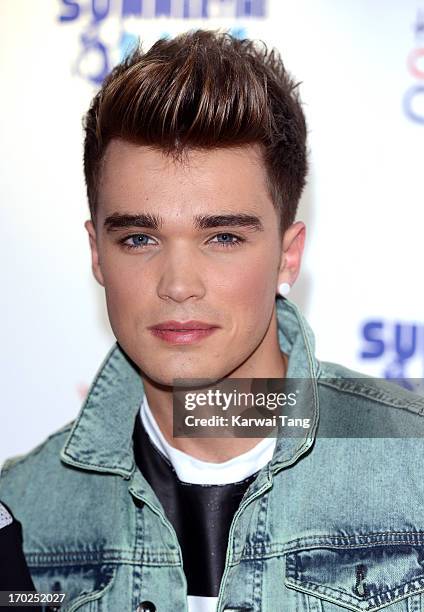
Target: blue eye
(139, 241)
(228, 243)
(136, 239)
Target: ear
(291, 254)
(95, 263)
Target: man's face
(221, 274)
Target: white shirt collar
(196, 471)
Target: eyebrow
(118, 221)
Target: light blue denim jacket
(331, 523)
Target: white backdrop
(361, 65)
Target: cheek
(122, 275)
(249, 295)
(123, 291)
(254, 282)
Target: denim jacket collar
(101, 436)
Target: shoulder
(20, 467)
(49, 497)
(375, 402)
(346, 381)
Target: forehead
(138, 176)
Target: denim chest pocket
(85, 586)
(360, 578)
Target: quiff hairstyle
(203, 89)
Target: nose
(181, 275)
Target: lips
(183, 325)
(183, 332)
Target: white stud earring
(284, 289)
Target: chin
(189, 373)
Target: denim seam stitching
(387, 401)
(341, 596)
(329, 541)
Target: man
(195, 160)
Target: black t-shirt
(200, 514)
(14, 573)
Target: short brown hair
(203, 89)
